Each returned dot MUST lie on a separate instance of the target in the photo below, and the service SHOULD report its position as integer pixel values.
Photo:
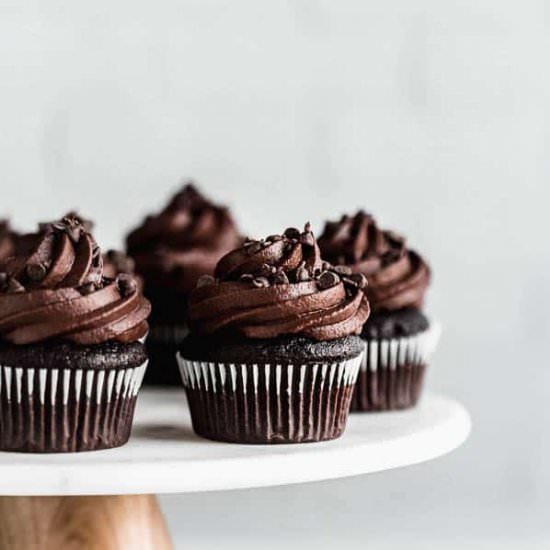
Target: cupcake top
(58, 290)
(184, 241)
(398, 277)
(279, 286)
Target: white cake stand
(40, 499)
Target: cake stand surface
(164, 456)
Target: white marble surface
(165, 456)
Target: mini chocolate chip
(292, 233)
(280, 278)
(205, 280)
(86, 289)
(307, 227)
(359, 279)
(274, 238)
(246, 278)
(307, 239)
(126, 284)
(260, 282)
(14, 286)
(36, 272)
(342, 270)
(327, 279)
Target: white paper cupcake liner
(413, 350)
(269, 403)
(62, 410)
(392, 371)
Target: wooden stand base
(124, 522)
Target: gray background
(431, 114)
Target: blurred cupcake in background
(71, 361)
(274, 350)
(400, 337)
(171, 250)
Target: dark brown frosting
(279, 286)
(184, 241)
(58, 290)
(398, 277)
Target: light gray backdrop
(432, 114)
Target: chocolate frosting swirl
(58, 291)
(398, 277)
(184, 241)
(279, 286)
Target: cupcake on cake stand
(58, 500)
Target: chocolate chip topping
(327, 279)
(280, 285)
(126, 284)
(36, 272)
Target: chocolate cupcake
(400, 338)
(273, 353)
(171, 251)
(70, 359)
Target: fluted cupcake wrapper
(269, 403)
(392, 371)
(66, 410)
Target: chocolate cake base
(66, 398)
(285, 349)
(301, 394)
